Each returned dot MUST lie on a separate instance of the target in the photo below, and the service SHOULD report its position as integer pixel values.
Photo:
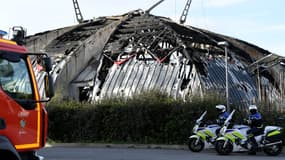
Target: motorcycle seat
(270, 128)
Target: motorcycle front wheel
(273, 150)
(222, 148)
(195, 145)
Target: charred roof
(123, 55)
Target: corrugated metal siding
(241, 85)
(136, 76)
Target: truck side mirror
(47, 64)
(49, 87)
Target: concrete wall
(75, 62)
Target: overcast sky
(260, 22)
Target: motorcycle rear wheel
(273, 150)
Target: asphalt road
(105, 153)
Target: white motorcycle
(202, 136)
(235, 140)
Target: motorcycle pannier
(273, 136)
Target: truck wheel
(30, 155)
(223, 149)
(195, 146)
(5, 155)
(273, 150)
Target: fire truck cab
(23, 117)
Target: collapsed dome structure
(137, 51)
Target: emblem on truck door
(23, 123)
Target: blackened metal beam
(155, 5)
(78, 14)
(185, 12)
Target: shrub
(146, 118)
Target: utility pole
(185, 12)
(281, 78)
(226, 45)
(78, 14)
(282, 85)
(259, 84)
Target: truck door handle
(2, 124)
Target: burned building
(137, 51)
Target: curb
(110, 145)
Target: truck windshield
(14, 75)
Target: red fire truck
(23, 117)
